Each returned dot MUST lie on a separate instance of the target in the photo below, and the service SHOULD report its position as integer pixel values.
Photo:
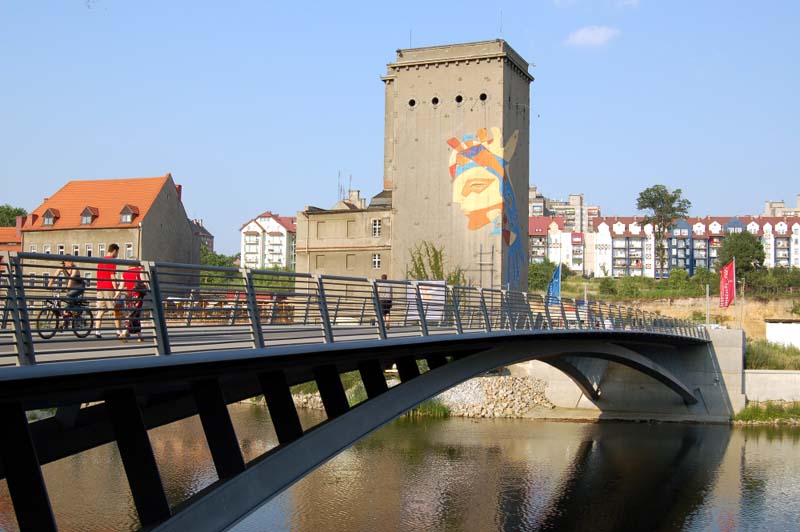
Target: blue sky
(257, 106)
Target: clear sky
(257, 106)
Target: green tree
(428, 264)
(747, 249)
(665, 208)
(211, 277)
(8, 215)
(540, 274)
(210, 258)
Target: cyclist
(76, 286)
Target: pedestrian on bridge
(109, 290)
(385, 297)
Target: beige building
(268, 241)
(352, 238)
(143, 216)
(456, 157)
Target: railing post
(190, 310)
(486, 321)
(578, 313)
(546, 302)
(376, 301)
(256, 332)
(159, 320)
(507, 307)
(235, 308)
(327, 328)
(423, 324)
(526, 295)
(563, 313)
(456, 312)
(23, 339)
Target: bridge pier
(218, 428)
(281, 407)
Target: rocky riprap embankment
(495, 396)
(489, 396)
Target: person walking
(109, 290)
(135, 290)
(385, 297)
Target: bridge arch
(277, 471)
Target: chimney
(179, 189)
(20, 222)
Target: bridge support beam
(407, 368)
(334, 399)
(137, 457)
(24, 476)
(281, 406)
(372, 376)
(218, 428)
(436, 361)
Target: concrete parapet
(772, 385)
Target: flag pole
(708, 305)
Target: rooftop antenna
(501, 22)
(409, 40)
(350, 184)
(339, 185)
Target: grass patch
(761, 354)
(769, 411)
(349, 380)
(432, 408)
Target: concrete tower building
(457, 156)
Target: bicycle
(54, 317)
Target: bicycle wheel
(47, 323)
(82, 322)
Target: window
(32, 248)
(46, 248)
(101, 250)
(376, 228)
(350, 262)
(376, 261)
(320, 261)
(126, 218)
(129, 250)
(76, 249)
(89, 248)
(86, 219)
(61, 249)
(48, 219)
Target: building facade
(143, 216)
(269, 241)
(202, 234)
(456, 158)
(351, 238)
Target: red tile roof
(9, 239)
(108, 196)
(287, 222)
(540, 225)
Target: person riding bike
(76, 286)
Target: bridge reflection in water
(473, 475)
(214, 336)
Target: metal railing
(166, 308)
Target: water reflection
(461, 474)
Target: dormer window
(127, 213)
(49, 217)
(88, 215)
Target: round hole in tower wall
(412, 102)
(482, 97)
(435, 100)
(459, 99)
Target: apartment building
(549, 238)
(779, 208)
(577, 215)
(351, 238)
(202, 234)
(268, 241)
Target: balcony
(620, 253)
(636, 244)
(781, 243)
(699, 244)
(619, 243)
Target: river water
(463, 474)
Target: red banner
(727, 284)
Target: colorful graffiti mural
(483, 190)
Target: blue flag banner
(554, 288)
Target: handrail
(183, 308)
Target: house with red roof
(10, 239)
(268, 241)
(143, 216)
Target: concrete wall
(341, 243)
(772, 385)
(714, 373)
(82, 238)
(452, 92)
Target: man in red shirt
(108, 291)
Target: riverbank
(769, 413)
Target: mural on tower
(482, 188)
